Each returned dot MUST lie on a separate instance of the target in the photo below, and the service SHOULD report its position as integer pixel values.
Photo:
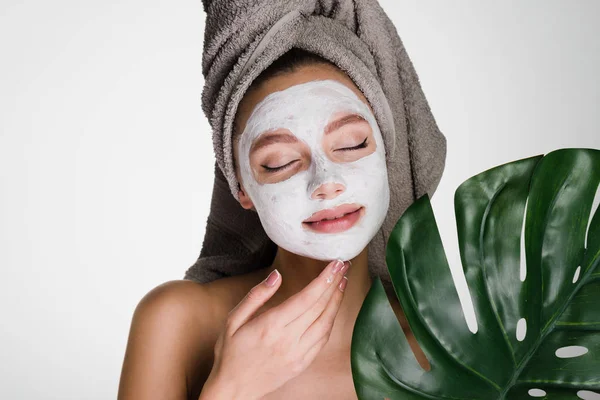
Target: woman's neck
(297, 272)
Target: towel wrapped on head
(242, 38)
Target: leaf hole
(576, 276)
(410, 337)
(595, 204)
(523, 263)
(571, 351)
(521, 329)
(536, 392)
(588, 395)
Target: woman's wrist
(218, 389)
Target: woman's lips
(336, 225)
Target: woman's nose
(327, 191)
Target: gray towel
(242, 38)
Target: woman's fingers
(303, 321)
(256, 298)
(304, 300)
(318, 332)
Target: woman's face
(312, 163)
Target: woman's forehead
(306, 108)
(288, 80)
(310, 98)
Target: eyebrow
(345, 120)
(269, 138)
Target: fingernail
(345, 267)
(272, 278)
(337, 266)
(343, 283)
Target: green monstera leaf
(532, 310)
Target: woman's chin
(327, 254)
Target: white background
(106, 162)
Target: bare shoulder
(169, 339)
(174, 328)
(202, 303)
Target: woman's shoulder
(174, 328)
(202, 300)
(199, 309)
(172, 334)
(202, 304)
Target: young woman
(310, 160)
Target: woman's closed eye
(280, 168)
(363, 145)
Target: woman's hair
(288, 62)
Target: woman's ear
(245, 199)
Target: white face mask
(305, 110)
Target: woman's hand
(255, 356)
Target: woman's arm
(171, 343)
